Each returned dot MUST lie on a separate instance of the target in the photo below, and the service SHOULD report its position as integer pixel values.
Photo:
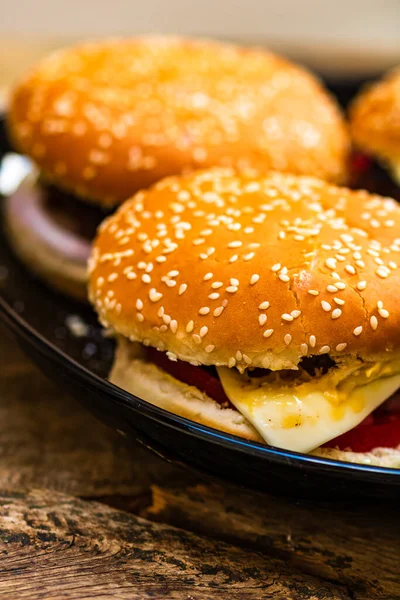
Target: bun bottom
(43, 241)
(132, 372)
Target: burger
(263, 305)
(375, 127)
(103, 120)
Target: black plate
(39, 318)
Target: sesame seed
(326, 306)
(254, 278)
(284, 277)
(336, 313)
(361, 285)
(235, 244)
(231, 289)
(287, 339)
(131, 275)
(140, 317)
(154, 295)
(275, 268)
(304, 349)
(231, 362)
(325, 349)
(238, 356)
(340, 285)
(139, 304)
(313, 341)
(268, 332)
(213, 296)
(383, 313)
(207, 276)
(262, 319)
(341, 347)
(173, 273)
(358, 330)
(331, 288)
(330, 263)
(248, 256)
(203, 331)
(373, 322)
(313, 292)
(218, 311)
(233, 258)
(264, 305)
(166, 319)
(190, 327)
(196, 338)
(216, 284)
(209, 348)
(295, 313)
(173, 325)
(146, 278)
(382, 272)
(182, 289)
(350, 269)
(160, 259)
(160, 311)
(287, 317)
(339, 301)
(204, 310)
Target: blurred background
(354, 38)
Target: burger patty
(380, 429)
(71, 212)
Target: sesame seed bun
(375, 121)
(132, 372)
(221, 268)
(105, 119)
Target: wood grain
(48, 440)
(354, 544)
(56, 546)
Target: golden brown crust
(190, 265)
(106, 119)
(375, 118)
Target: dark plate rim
(160, 415)
(207, 434)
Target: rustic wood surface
(84, 514)
(73, 495)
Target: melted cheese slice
(303, 417)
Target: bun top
(106, 119)
(240, 269)
(375, 118)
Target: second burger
(103, 120)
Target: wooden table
(84, 514)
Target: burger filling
(368, 174)
(349, 405)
